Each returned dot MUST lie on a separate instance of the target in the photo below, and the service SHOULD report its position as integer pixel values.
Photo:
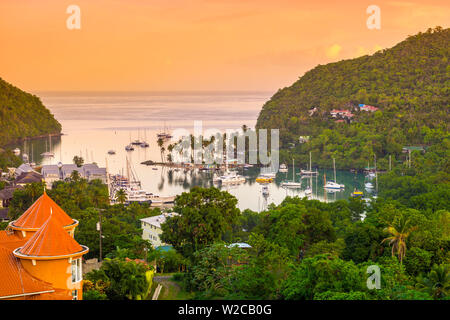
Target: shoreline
(10, 143)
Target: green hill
(23, 115)
(409, 83)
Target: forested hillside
(409, 84)
(23, 115)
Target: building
(6, 196)
(28, 177)
(23, 168)
(335, 113)
(39, 258)
(50, 173)
(151, 228)
(89, 171)
(365, 107)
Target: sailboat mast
(293, 170)
(334, 168)
(310, 166)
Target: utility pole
(99, 228)
(376, 174)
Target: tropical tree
(121, 196)
(126, 279)
(205, 215)
(437, 282)
(79, 161)
(75, 175)
(399, 231)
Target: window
(74, 294)
(76, 270)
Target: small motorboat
(47, 154)
(333, 185)
(129, 147)
(144, 144)
(262, 179)
(357, 194)
(111, 152)
(368, 185)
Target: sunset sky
(166, 45)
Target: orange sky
(194, 45)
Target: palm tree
(437, 282)
(121, 196)
(399, 231)
(75, 176)
(79, 161)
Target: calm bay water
(94, 123)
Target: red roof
(11, 241)
(51, 240)
(39, 212)
(15, 281)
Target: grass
(171, 290)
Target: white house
(151, 228)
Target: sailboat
(138, 140)
(292, 184)
(129, 147)
(164, 134)
(308, 172)
(48, 154)
(230, 177)
(332, 184)
(144, 144)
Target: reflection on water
(93, 124)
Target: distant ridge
(23, 115)
(409, 83)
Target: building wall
(152, 234)
(57, 272)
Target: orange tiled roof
(39, 212)
(11, 241)
(50, 240)
(15, 281)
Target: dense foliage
(409, 83)
(23, 115)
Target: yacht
(230, 178)
(308, 172)
(368, 185)
(47, 154)
(292, 184)
(332, 184)
(370, 175)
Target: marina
(161, 181)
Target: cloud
(333, 51)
